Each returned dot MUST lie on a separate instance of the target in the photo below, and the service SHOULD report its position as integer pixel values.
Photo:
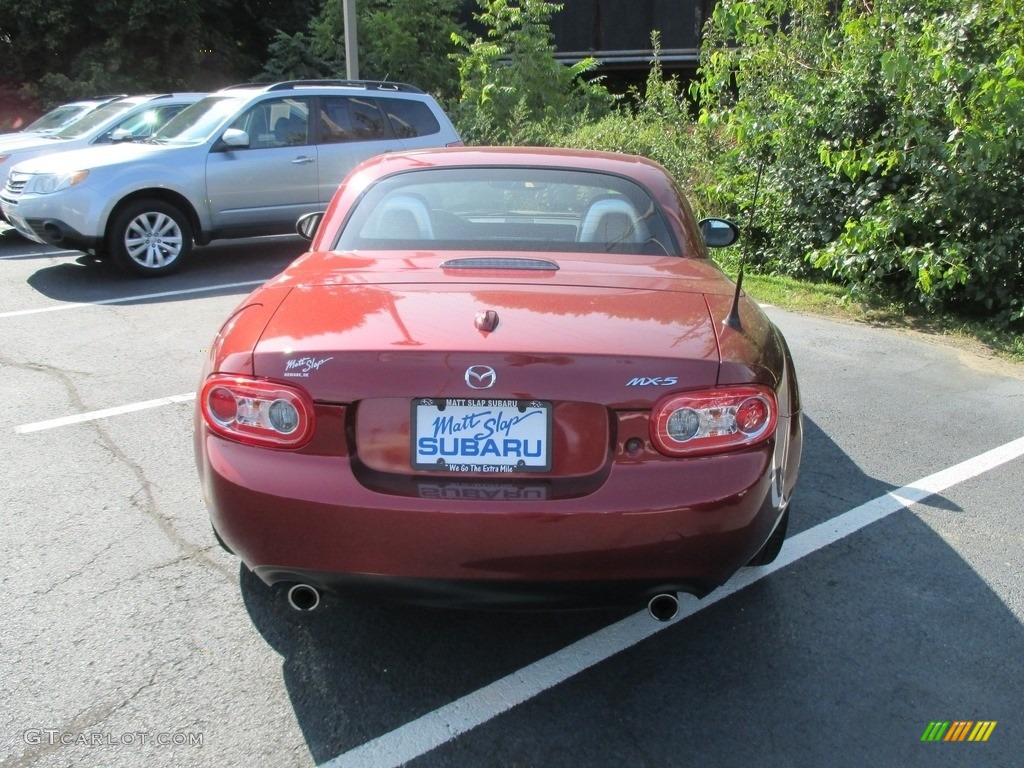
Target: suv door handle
(302, 160)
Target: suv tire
(150, 238)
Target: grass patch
(831, 300)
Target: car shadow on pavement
(84, 278)
(14, 246)
(841, 658)
(355, 668)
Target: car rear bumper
(664, 526)
(485, 594)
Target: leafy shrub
(404, 40)
(886, 141)
(651, 124)
(513, 90)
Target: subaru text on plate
(501, 377)
(246, 160)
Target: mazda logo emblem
(481, 376)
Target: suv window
(58, 118)
(350, 118)
(198, 122)
(411, 118)
(95, 119)
(142, 125)
(280, 122)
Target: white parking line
(63, 421)
(127, 299)
(445, 724)
(36, 254)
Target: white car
(246, 160)
(126, 119)
(62, 116)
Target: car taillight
(256, 411)
(713, 421)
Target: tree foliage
(512, 89)
(654, 123)
(403, 40)
(292, 57)
(887, 137)
(61, 49)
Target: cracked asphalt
(129, 638)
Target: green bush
(884, 142)
(512, 89)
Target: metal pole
(351, 41)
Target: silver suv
(246, 160)
(130, 118)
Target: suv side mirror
(121, 134)
(307, 224)
(718, 233)
(234, 138)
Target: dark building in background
(618, 34)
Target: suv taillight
(713, 420)
(257, 411)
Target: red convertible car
(501, 377)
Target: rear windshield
(507, 209)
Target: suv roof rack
(369, 85)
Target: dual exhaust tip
(305, 598)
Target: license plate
(477, 435)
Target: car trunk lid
(399, 346)
(596, 331)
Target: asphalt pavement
(129, 638)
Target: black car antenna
(733, 318)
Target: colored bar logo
(958, 730)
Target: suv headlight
(47, 183)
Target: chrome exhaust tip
(303, 598)
(663, 607)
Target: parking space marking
(36, 254)
(127, 299)
(436, 728)
(63, 421)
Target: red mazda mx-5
(501, 377)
